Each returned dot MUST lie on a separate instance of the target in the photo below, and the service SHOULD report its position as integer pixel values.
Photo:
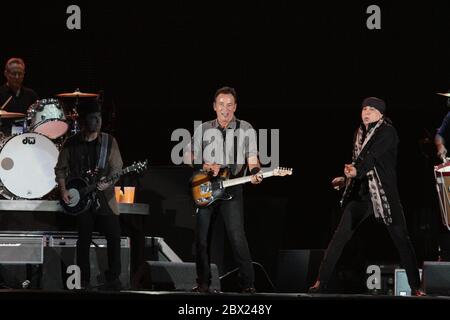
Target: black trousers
(109, 226)
(354, 214)
(233, 216)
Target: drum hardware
(77, 94)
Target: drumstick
(6, 102)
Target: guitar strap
(101, 164)
(103, 151)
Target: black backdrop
(300, 67)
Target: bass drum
(27, 165)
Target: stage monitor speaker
(436, 278)
(61, 253)
(173, 276)
(401, 285)
(297, 269)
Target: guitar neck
(242, 180)
(111, 178)
(118, 174)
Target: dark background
(300, 67)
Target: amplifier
(61, 253)
(436, 277)
(21, 249)
(71, 241)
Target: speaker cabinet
(61, 253)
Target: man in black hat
(371, 190)
(92, 154)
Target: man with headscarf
(371, 190)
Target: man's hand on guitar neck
(213, 167)
(103, 185)
(257, 176)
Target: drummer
(14, 97)
(442, 142)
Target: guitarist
(371, 191)
(97, 153)
(232, 210)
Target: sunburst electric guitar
(207, 189)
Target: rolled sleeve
(62, 165)
(115, 159)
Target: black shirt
(91, 154)
(18, 103)
(91, 164)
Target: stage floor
(192, 296)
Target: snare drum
(47, 117)
(27, 163)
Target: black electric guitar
(207, 189)
(80, 191)
(348, 192)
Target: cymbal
(77, 94)
(447, 94)
(6, 114)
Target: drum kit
(442, 178)
(28, 159)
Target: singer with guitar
(371, 190)
(92, 155)
(244, 155)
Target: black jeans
(233, 216)
(354, 214)
(109, 226)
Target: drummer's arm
(439, 141)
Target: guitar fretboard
(242, 180)
(120, 173)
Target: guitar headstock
(139, 166)
(281, 172)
